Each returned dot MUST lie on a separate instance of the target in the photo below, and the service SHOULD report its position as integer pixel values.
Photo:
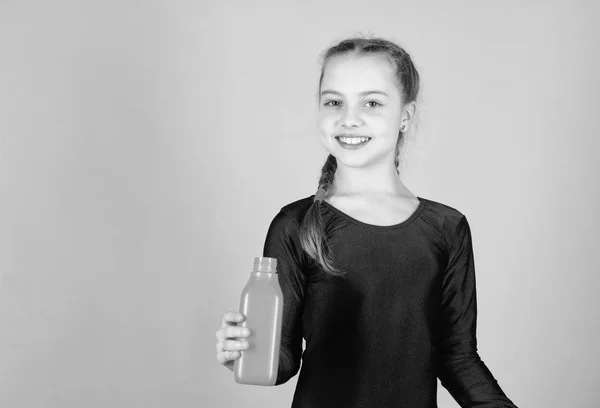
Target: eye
(370, 102)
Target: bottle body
(262, 304)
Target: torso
(380, 212)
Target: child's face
(374, 115)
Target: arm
(282, 242)
(461, 370)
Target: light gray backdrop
(146, 146)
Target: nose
(350, 118)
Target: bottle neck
(263, 275)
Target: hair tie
(321, 194)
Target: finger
(234, 332)
(231, 345)
(221, 333)
(228, 356)
(234, 345)
(230, 332)
(232, 317)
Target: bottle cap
(265, 264)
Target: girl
(380, 282)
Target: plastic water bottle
(262, 304)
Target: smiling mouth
(353, 137)
(352, 145)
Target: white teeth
(353, 140)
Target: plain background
(145, 148)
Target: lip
(350, 135)
(352, 147)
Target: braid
(313, 234)
(327, 173)
(397, 158)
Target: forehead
(352, 74)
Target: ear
(409, 112)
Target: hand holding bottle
(231, 339)
(248, 341)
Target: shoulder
(289, 218)
(446, 218)
(295, 211)
(283, 235)
(443, 211)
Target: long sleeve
(461, 370)
(282, 242)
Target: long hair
(313, 234)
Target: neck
(372, 181)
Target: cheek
(384, 126)
(325, 123)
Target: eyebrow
(360, 93)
